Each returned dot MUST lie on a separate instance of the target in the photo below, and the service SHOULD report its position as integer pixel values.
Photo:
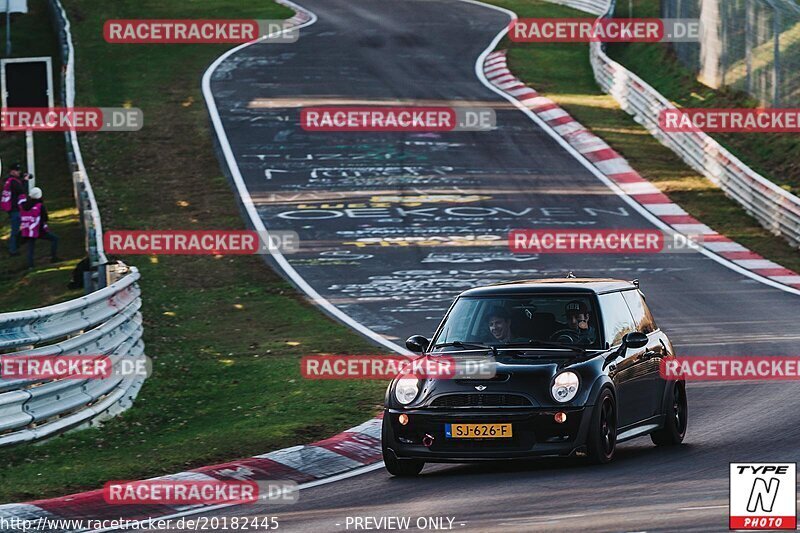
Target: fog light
(403, 419)
(560, 417)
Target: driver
(500, 324)
(578, 321)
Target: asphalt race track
(344, 193)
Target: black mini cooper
(576, 370)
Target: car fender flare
(601, 382)
(387, 397)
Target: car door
(628, 372)
(654, 353)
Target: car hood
(530, 380)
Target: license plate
(477, 431)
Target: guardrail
(104, 323)
(84, 195)
(595, 7)
(775, 208)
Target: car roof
(553, 285)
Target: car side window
(641, 314)
(617, 319)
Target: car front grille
(481, 400)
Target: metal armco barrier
(106, 322)
(84, 195)
(594, 7)
(775, 208)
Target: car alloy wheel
(679, 409)
(676, 419)
(608, 426)
(602, 440)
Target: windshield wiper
(459, 344)
(568, 356)
(545, 344)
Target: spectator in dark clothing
(34, 225)
(84, 266)
(14, 187)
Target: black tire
(398, 467)
(676, 419)
(602, 440)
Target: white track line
(200, 510)
(594, 170)
(301, 283)
(317, 298)
(702, 508)
(249, 206)
(333, 310)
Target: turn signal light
(560, 417)
(403, 419)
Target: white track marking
(591, 168)
(303, 285)
(702, 508)
(200, 510)
(249, 206)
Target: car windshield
(546, 319)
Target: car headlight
(406, 390)
(565, 386)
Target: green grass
(227, 382)
(221, 331)
(32, 36)
(561, 71)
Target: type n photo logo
(763, 496)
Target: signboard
(27, 82)
(13, 6)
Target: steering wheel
(566, 335)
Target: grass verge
(561, 71)
(32, 36)
(225, 334)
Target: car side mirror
(417, 343)
(634, 339)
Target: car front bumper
(535, 433)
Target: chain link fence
(775, 208)
(749, 45)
